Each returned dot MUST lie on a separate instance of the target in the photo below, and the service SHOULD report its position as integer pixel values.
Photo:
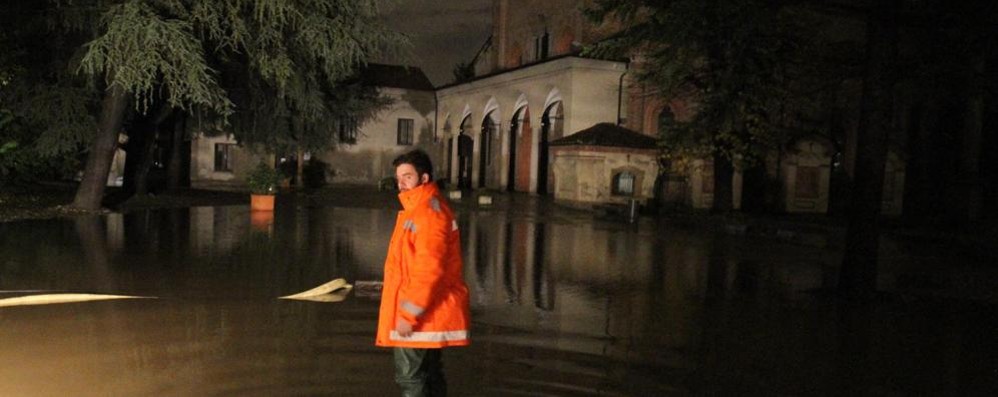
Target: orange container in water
(261, 202)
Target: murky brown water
(562, 306)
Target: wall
(369, 159)
(588, 90)
(584, 174)
(366, 162)
(517, 23)
(806, 175)
(203, 174)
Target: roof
(574, 54)
(608, 134)
(395, 76)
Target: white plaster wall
(365, 162)
(585, 176)
(369, 159)
(203, 172)
(807, 153)
(588, 88)
(699, 198)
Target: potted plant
(262, 182)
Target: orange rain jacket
(423, 275)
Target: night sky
(444, 32)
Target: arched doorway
(465, 151)
(485, 149)
(551, 129)
(448, 151)
(666, 121)
(520, 136)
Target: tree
(463, 72)
(153, 57)
(46, 109)
(749, 67)
(858, 276)
(281, 124)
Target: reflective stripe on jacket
(423, 275)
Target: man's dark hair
(419, 160)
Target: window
(541, 46)
(666, 121)
(223, 157)
(348, 130)
(808, 182)
(405, 132)
(623, 184)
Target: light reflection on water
(566, 307)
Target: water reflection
(562, 306)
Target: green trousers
(419, 372)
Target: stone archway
(552, 125)
(520, 142)
(486, 150)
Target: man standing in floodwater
(424, 301)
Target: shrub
(263, 179)
(314, 173)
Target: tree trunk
(723, 174)
(755, 189)
(141, 148)
(299, 171)
(173, 166)
(91, 189)
(134, 148)
(970, 156)
(145, 162)
(918, 172)
(858, 276)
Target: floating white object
(454, 194)
(369, 289)
(315, 294)
(334, 296)
(49, 299)
(484, 200)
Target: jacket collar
(411, 198)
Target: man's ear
(424, 178)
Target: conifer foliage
(221, 61)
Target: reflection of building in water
(356, 240)
(217, 230)
(611, 291)
(570, 280)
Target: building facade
(364, 149)
(531, 88)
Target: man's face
(408, 178)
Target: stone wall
(585, 174)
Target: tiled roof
(395, 76)
(608, 134)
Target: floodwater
(563, 305)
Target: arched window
(666, 120)
(623, 184)
(488, 131)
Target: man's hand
(403, 327)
